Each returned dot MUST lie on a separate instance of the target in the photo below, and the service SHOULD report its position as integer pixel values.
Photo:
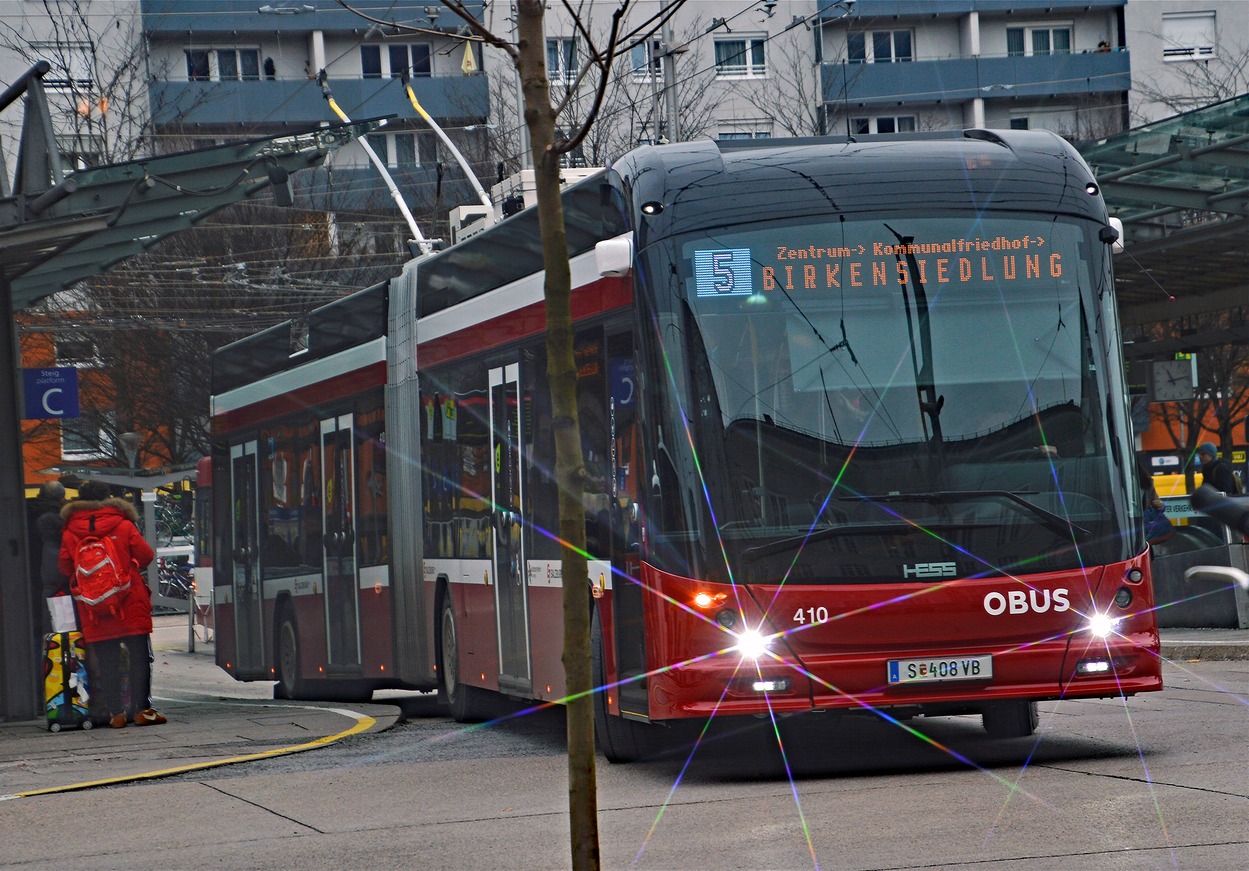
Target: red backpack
(100, 580)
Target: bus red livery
(855, 429)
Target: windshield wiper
(819, 534)
(1054, 521)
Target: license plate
(940, 668)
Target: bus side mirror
(1113, 235)
(614, 257)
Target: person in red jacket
(95, 512)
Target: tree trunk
(569, 468)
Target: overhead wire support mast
(446, 140)
(426, 246)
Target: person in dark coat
(1215, 471)
(95, 512)
(45, 545)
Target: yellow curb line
(363, 723)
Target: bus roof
(708, 183)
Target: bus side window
(371, 515)
(596, 446)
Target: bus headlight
(752, 644)
(1103, 625)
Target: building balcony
(869, 9)
(299, 102)
(962, 79)
(289, 17)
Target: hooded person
(1215, 471)
(45, 524)
(105, 630)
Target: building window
(391, 64)
(222, 64)
(879, 46)
(882, 124)
(83, 439)
(414, 57)
(71, 64)
(638, 61)
(1028, 41)
(1188, 35)
(87, 437)
(561, 60)
(406, 150)
(79, 351)
(1019, 123)
(79, 152)
(371, 61)
(740, 58)
(742, 134)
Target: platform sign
(50, 393)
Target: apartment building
(238, 68)
(903, 65)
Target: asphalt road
(1161, 782)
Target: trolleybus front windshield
(874, 395)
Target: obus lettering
(1024, 601)
(897, 273)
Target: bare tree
(551, 138)
(1221, 400)
(97, 86)
(789, 97)
(143, 334)
(1190, 84)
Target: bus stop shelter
(57, 229)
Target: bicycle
(174, 580)
(170, 525)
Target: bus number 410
(811, 615)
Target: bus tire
(620, 740)
(289, 684)
(468, 704)
(1014, 719)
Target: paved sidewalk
(215, 720)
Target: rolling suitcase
(66, 696)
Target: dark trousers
(108, 675)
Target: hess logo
(1023, 601)
(930, 570)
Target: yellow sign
(469, 64)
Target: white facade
(96, 86)
(743, 70)
(1186, 55)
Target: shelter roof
(94, 218)
(1181, 188)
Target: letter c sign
(50, 393)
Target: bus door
(510, 581)
(342, 614)
(245, 561)
(625, 489)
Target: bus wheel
(1010, 719)
(289, 685)
(468, 704)
(620, 740)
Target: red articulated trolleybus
(855, 426)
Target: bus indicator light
(707, 600)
